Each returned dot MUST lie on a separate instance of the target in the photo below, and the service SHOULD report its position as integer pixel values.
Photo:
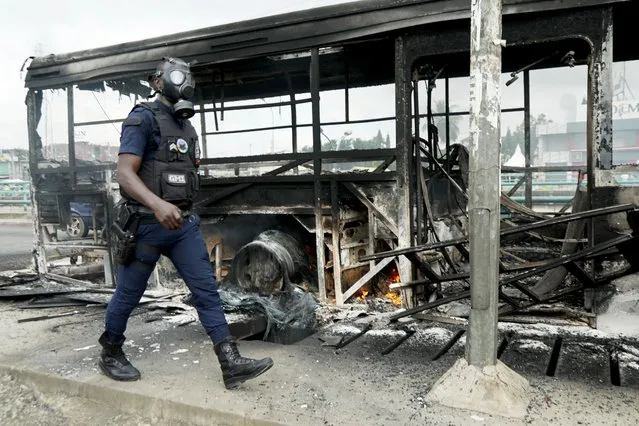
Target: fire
(394, 276)
(362, 296)
(395, 298)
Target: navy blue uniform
(185, 247)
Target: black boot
(235, 368)
(113, 362)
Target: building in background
(14, 164)
(84, 151)
(565, 144)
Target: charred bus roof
(280, 34)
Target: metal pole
(205, 145)
(291, 91)
(317, 171)
(447, 112)
(71, 134)
(335, 237)
(527, 142)
(449, 194)
(405, 214)
(203, 141)
(35, 153)
(599, 124)
(484, 171)
(418, 163)
(347, 112)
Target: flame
(362, 296)
(395, 298)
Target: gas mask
(178, 87)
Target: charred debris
(299, 237)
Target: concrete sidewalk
(310, 384)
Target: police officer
(157, 174)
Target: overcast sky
(31, 27)
(39, 27)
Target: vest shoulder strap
(151, 106)
(188, 127)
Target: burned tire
(267, 264)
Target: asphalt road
(16, 246)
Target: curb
(4, 221)
(24, 216)
(15, 219)
(132, 403)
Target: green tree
(359, 143)
(378, 140)
(330, 145)
(345, 144)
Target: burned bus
(339, 136)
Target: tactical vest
(172, 173)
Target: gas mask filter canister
(179, 86)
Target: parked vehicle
(81, 220)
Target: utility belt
(128, 218)
(146, 216)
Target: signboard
(625, 109)
(4, 169)
(620, 110)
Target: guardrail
(13, 194)
(15, 198)
(25, 203)
(545, 199)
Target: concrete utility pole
(480, 382)
(484, 179)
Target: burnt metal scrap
(513, 276)
(248, 315)
(508, 231)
